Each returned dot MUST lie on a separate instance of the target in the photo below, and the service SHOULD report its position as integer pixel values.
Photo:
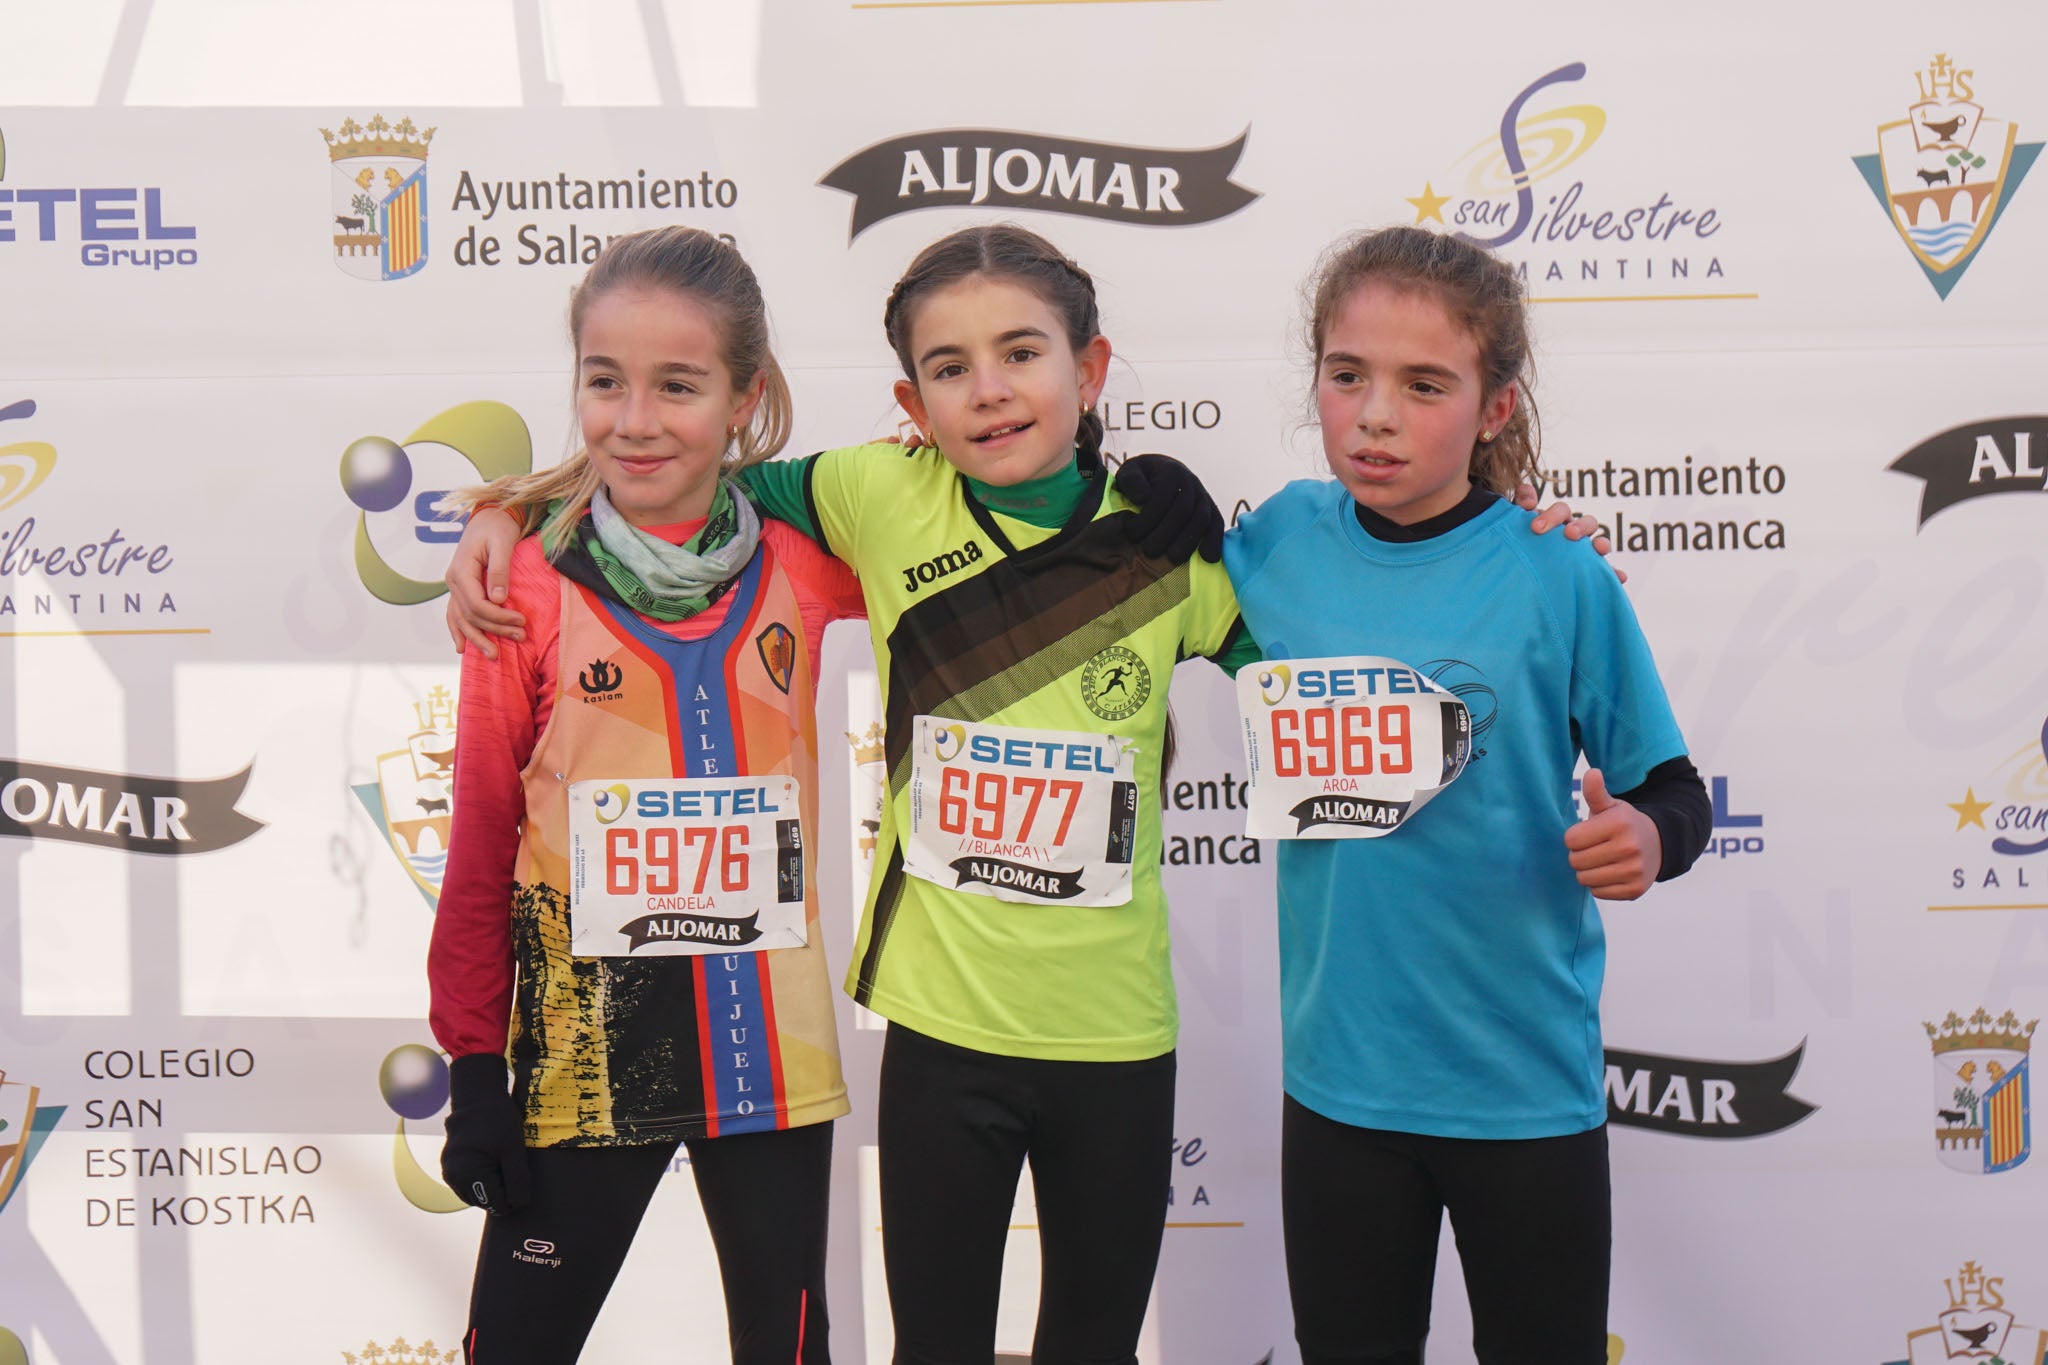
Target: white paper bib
(1346, 748)
(1041, 817)
(685, 866)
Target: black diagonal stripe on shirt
(973, 648)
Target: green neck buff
(1046, 502)
(668, 582)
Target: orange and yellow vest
(620, 1050)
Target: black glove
(1175, 516)
(484, 1158)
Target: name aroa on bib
(1039, 817)
(685, 866)
(1346, 748)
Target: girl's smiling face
(998, 387)
(1401, 400)
(656, 402)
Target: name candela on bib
(685, 866)
(1042, 817)
(1345, 748)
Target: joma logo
(601, 677)
(951, 562)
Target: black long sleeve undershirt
(1671, 794)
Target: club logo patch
(601, 681)
(1116, 684)
(777, 645)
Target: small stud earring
(1485, 437)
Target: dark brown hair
(1001, 251)
(1483, 297)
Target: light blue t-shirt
(1445, 979)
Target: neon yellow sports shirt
(977, 616)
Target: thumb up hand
(1616, 849)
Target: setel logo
(960, 167)
(414, 1083)
(932, 570)
(403, 539)
(97, 220)
(610, 803)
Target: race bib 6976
(685, 865)
(1346, 748)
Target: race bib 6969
(1045, 817)
(1346, 748)
(685, 865)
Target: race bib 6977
(1046, 817)
(1345, 748)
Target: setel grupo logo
(1001, 169)
(1584, 241)
(1944, 173)
(403, 539)
(1982, 1097)
(97, 220)
(378, 197)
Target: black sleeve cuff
(1675, 799)
(481, 1076)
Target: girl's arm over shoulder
(822, 495)
(826, 589)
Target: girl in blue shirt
(1440, 984)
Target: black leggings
(543, 1273)
(1362, 1209)
(956, 1126)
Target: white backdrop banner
(277, 277)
